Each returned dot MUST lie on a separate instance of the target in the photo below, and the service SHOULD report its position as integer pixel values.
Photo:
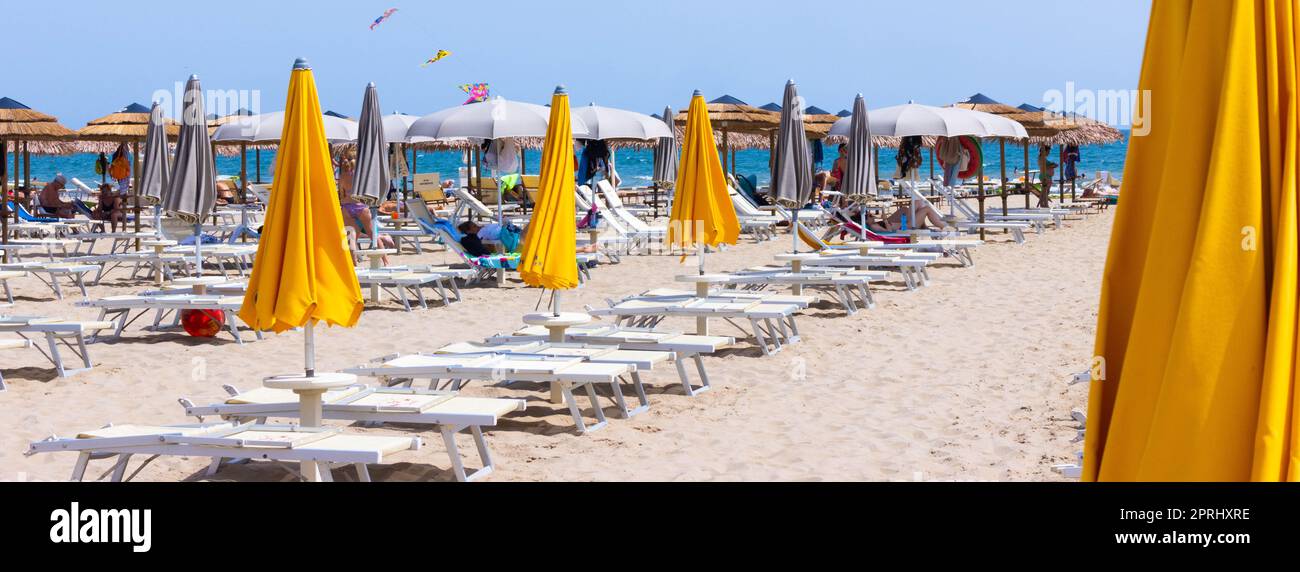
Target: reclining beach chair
(1017, 228)
(122, 311)
(563, 374)
(448, 412)
(772, 325)
(850, 288)
(684, 347)
(220, 441)
(468, 207)
(72, 335)
(50, 272)
(401, 281)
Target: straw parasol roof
(1071, 129)
(131, 123)
(735, 116)
(1036, 125)
(19, 122)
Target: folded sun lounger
(448, 412)
(220, 441)
(566, 373)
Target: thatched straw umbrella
(1070, 129)
(22, 125)
(732, 115)
(127, 125)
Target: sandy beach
(962, 380)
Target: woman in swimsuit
(355, 213)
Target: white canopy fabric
(913, 119)
(396, 125)
(267, 127)
(497, 118)
(610, 123)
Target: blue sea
(634, 165)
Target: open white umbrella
(267, 128)
(396, 126)
(914, 119)
(497, 118)
(610, 123)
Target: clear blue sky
(85, 59)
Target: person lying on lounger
(894, 223)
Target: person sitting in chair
(53, 203)
(111, 208)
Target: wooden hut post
(17, 172)
(1060, 154)
(4, 198)
(726, 146)
(1002, 158)
(27, 167)
(1027, 178)
(932, 150)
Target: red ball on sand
(203, 323)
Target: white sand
(963, 380)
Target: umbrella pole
(135, 194)
(198, 247)
(309, 356)
(1027, 191)
(794, 231)
(983, 232)
(4, 200)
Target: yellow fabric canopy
(303, 272)
(547, 259)
(702, 210)
(1197, 333)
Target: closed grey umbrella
(192, 193)
(791, 163)
(860, 174)
(666, 154)
(155, 173)
(371, 179)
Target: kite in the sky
(478, 92)
(380, 20)
(441, 54)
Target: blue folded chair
(26, 216)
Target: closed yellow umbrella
(702, 212)
(303, 273)
(547, 258)
(1195, 375)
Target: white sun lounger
(119, 309)
(772, 325)
(617, 207)
(401, 281)
(54, 270)
(70, 334)
(850, 288)
(220, 441)
(16, 248)
(448, 412)
(685, 347)
(566, 373)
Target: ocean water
(634, 165)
